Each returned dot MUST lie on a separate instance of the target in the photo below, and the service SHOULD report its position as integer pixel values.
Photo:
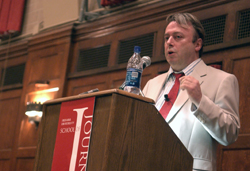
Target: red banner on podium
(73, 135)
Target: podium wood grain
(128, 133)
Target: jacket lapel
(157, 86)
(179, 102)
(199, 73)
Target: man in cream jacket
(206, 110)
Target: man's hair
(184, 19)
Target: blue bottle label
(133, 77)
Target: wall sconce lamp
(41, 83)
(36, 99)
(34, 112)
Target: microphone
(146, 60)
(90, 91)
(166, 97)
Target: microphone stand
(123, 85)
(141, 93)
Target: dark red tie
(171, 96)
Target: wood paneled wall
(52, 56)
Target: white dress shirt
(170, 80)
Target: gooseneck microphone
(146, 60)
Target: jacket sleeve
(220, 116)
(145, 89)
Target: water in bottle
(134, 71)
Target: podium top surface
(100, 93)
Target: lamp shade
(34, 111)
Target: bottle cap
(137, 49)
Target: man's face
(180, 50)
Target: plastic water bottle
(134, 71)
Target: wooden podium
(128, 134)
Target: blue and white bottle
(134, 72)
